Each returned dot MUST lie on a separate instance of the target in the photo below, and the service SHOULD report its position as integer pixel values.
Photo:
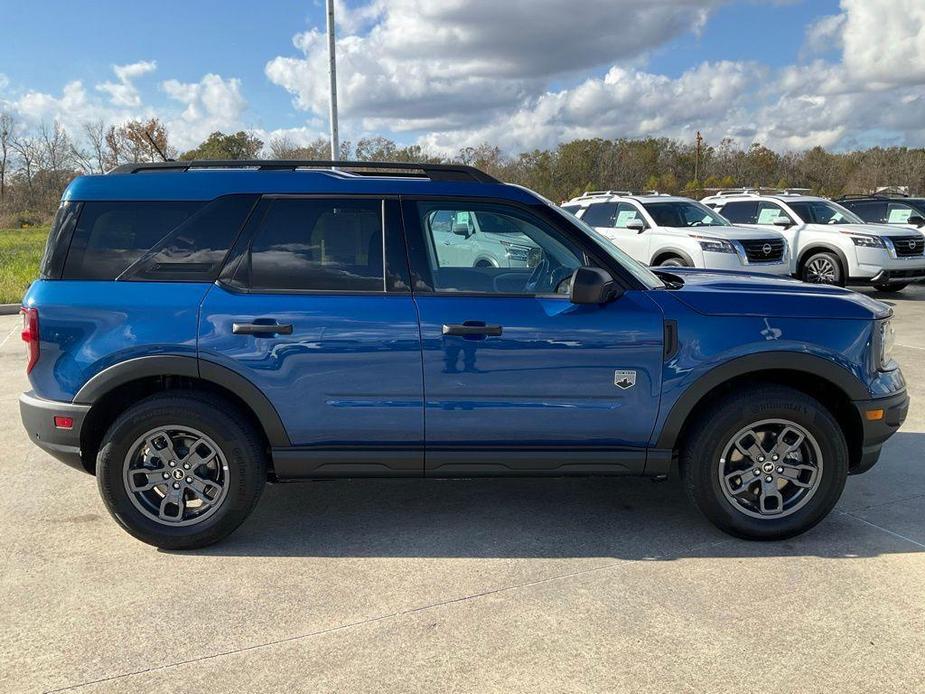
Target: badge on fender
(624, 379)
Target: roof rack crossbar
(435, 172)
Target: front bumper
(899, 276)
(876, 432)
(38, 417)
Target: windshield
(823, 212)
(649, 279)
(683, 214)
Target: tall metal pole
(335, 140)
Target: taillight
(30, 335)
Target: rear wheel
(766, 465)
(181, 471)
(823, 268)
(891, 287)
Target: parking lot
(465, 585)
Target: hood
(869, 229)
(729, 233)
(730, 293)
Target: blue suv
(200, 328)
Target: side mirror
(782, 221)
(916, 220)
(636, 225)
(592, 285)
(461, 230)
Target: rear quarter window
(110, 236)
(740, 212)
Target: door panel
(346, 382)
(541, 397)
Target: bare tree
(6, 140)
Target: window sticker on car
(768, 215)
(899, 215)
(624, 216)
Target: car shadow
(626, 518)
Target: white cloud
(445, 65)
(124, 92)
(213, 103)
(884, 41)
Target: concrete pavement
(473, 585)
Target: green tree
(240, 145)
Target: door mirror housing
(916, 220)
(782, 221)
(592, 285)
(636, 225)
(461, 229)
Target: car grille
(908, 246)
(764, 250)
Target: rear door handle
(261, 328)
(471, 328)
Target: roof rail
(757, 190)
(435, 172)
(883, 195)
(598, 193)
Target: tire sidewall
(742, 411)
(245, 474)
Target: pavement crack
(391, 615)
(886, 530)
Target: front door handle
(261, 328)
(472, 328)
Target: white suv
(829, 243)
(659, 229)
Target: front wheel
(823, 268)
(181, 471)
(891, 287)
(767, 464)
(673, 261)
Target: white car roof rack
(601, 193)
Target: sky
(521, 74)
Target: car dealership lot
(472, 585)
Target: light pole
(335, 140)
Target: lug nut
(186, 466)
(165, 475)
(760, 458)
(768, 479)
(189, 480)
(172, 463)
(774, 457)
(779, 470)
(756, 471)
(176, 485)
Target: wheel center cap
(767, 467)
(178, 474)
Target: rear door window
(744, 212)
(308, 244)
(601, 214)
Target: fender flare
(817, 246)
(671, 250)
(177, 365)
(838, 376)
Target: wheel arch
(114, 389)
(819, 246)
(671, 252)
(834, 386)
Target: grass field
(20, 253)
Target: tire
(706, 461)
(823, 268)
(891, 288)
(673, 261)
(217, 492)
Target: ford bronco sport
(200, 328)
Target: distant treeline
(37, 163)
